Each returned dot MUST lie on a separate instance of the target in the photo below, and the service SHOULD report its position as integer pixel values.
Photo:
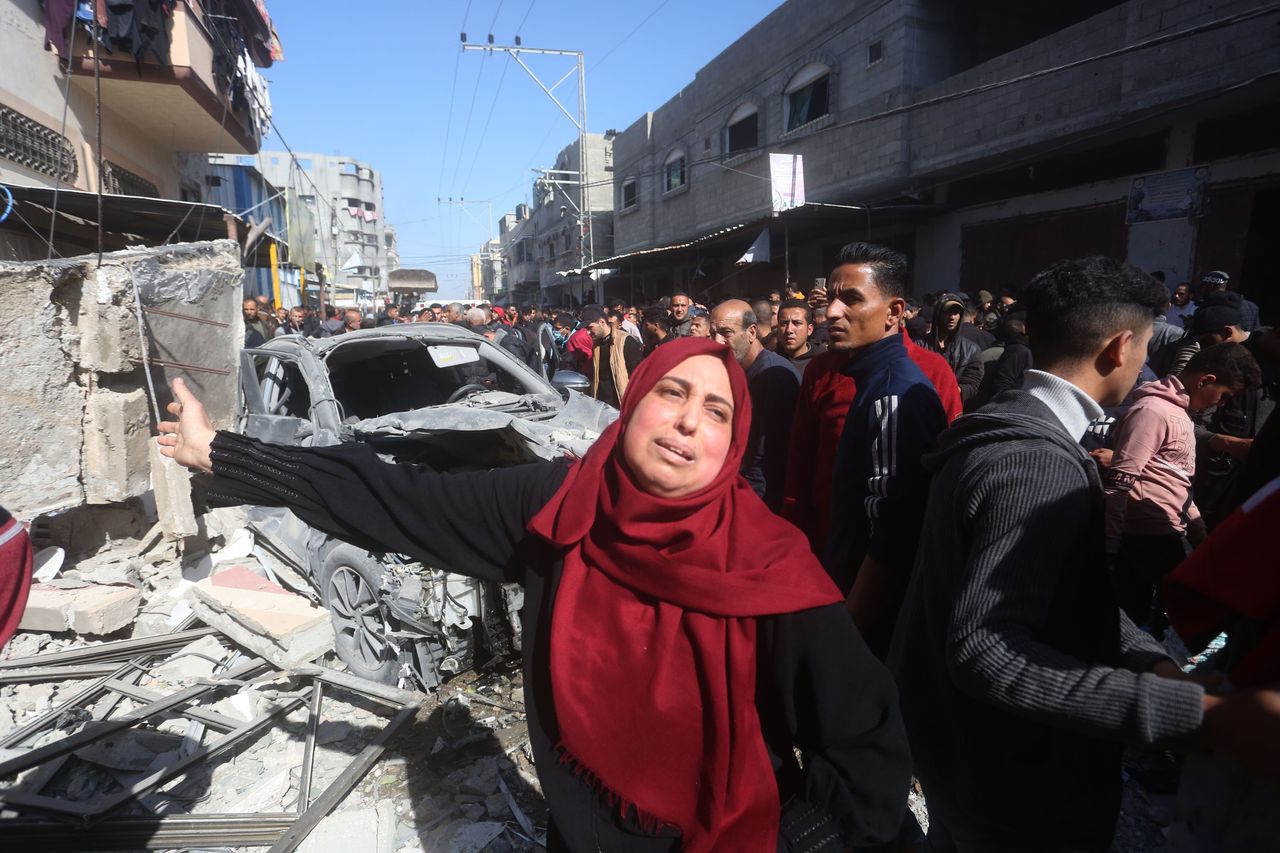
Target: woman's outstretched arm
(470, 523)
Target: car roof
(435, 332)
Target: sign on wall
(1166, 195)
(786, 175)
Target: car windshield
(382, 376)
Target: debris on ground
(162, 729)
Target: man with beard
(947, 339)
(256, 332)
(615, 356)
(773, 383)
(680, 319)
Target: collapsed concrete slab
(83, 608)
(73, 355)
(262, 616)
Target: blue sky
(375, 81)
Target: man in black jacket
(962, 354)
(1020, 678)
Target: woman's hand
(187, 439)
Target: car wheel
(349, 582)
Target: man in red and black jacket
(826, 393)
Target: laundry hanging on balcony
(141, 28)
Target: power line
(634, 30)
(453, 92)
(520, 26)
(495, 17)
(483, 131)
(466, 131)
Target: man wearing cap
(1217, 320)
(1218, 281)
(946, 339)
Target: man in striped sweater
(1020, 677)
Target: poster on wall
(786, 175)
(1166, 195)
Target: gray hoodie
(1020, 678)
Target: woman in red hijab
(680, 641)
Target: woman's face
(679, 434)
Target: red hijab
(653, 635)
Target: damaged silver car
(425, 393)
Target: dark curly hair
(1074, 306)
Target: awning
(656, 250)
(127, 221)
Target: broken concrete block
(116, 435)
(109, 335)
(172, 485)
(354, 831)
(192, 661)
(88, 609)
(262, 616)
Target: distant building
(345, 198)
(985, 140)
(543, 246)
(242, 189)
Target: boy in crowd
(1020, 677)
(1152, 521)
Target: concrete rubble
(76, 363)
(458, 776)
(262, 616)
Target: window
(629, 199)
(348, 168)
(674, 174)
(742, 132)
(117, 180)
(807, 96)
(875, 52)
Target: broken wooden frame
(284, 831)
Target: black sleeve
(631, 354)
(469, 523)
(823, 690)
(969, 376)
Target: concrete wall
(863, 152)
(1167, 245)
(76, 418)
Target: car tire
(349, 583)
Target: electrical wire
(494, 22)
(453, 93)
(466, 131)
(485, 130)
(520, 26)
(623, 41)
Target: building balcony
(188, 103)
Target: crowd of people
(1028, 500)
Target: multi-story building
(345, 199)
(985, 139)
(194, 89)
(546, 245)
(241, 188)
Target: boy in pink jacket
(1152, 520)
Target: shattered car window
(380, 377)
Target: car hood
(572, 429)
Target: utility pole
(586, 234)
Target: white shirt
(1073, 408)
